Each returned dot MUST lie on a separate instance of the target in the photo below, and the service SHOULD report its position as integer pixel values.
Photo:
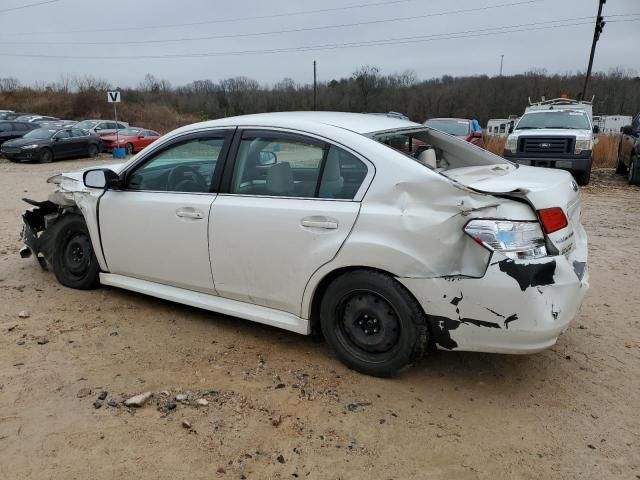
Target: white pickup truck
(556, 133)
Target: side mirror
(55, 139)
(140, 137)
(511, 129)
(100, 178)
(267, 158)
(627, 130)
(596, 129)
(476, 135)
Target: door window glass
(277, 166)
(63, 134)
(187, 166)
(342, 175)
(75, 132)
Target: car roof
(356, 122)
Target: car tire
(583, 177)
(621, 168)
(93, 150)
(73, 259)
(633, 175)
(45, 156)
(129, 148)
(372, 323)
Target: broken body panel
(410, 224)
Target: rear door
(288, 205)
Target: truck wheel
(583, 177)
(373, 323)
(74, 262)
(633, 176)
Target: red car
(458, 127)
(132, 139)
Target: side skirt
(248, 311)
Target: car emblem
(545, 145)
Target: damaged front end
(39, 229)
(38, 233)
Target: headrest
(280, 179)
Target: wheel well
(322, 286)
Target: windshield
(129, 132)
(86, 124)
(40, 134)
(554, 119)
(459, 128)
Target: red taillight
(552, 219)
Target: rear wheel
(74, 262)
(45, 156)
(633, 175)
(373, 323)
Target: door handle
(189, 212)
(320, 222)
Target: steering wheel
(179, 182)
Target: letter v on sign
(113, 97)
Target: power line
(28, 6)
(391, 41)
(223, 20)
(451, 12)
(280, 32)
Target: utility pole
(501, 63)
(315, 90)
(596, 36)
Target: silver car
(101, 127)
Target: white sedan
(386, 235)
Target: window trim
(226, 134)
(297, 135)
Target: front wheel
(93, 151)
(74, 262)
(633, 176)
(583, 177)
(45, 156)
(373, 323)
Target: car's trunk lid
(540, 187)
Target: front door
(156, 227)
(288, 208)
(63, 144)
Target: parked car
(556, 133)
(131, 139)
(57, 124)
(468, 129)
(33, 118)
(46, 145)
(629, 152)
(10, 115)
(101, 127)
(306, 220)
(10, 130)
(5, 113)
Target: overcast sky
(64, 27)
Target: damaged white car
(316, 220)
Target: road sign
(113, 97)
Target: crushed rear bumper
(517, 307)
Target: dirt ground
(281, 406)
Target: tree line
(162, 106)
